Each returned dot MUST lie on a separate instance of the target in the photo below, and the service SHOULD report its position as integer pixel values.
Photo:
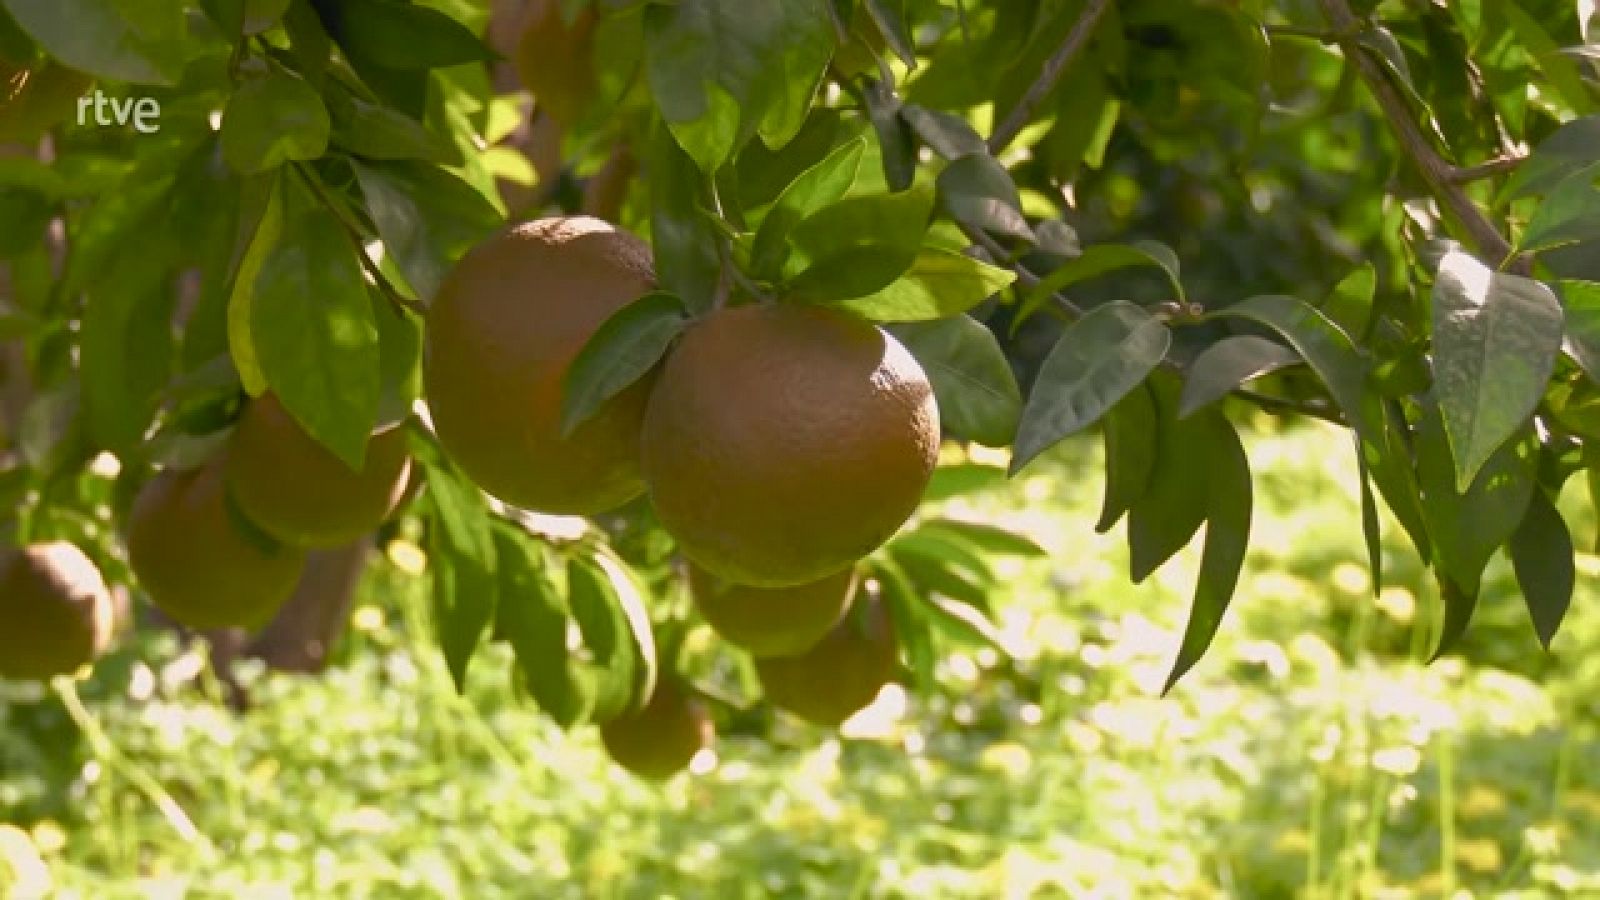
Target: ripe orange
(202, 562)
(772, 621)
(842, 674)
(662, 737)
(784, 442)
(55, 611)
(298, 491)
(506, 325)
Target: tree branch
(1500, 165)
(354, 230)
(1049, 77)
(1435, 170)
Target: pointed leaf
(911, 627)
(1096, 362)
(977, 191)
(622, 350)
(1130, 454)
(977, 392)
(1166, 517)
(858, 245)
(947, 134)
(1570, 215)
(991, 539)
(1102, 259)
(1542, 555)
(427, 217)
(1565, 152)
(939, 283)
(1229, 363)
(824, 183)
(1495, 339)
(461, 553)
(273, 120)
(533, 617)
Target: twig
(1271, 404)
(1049, 77)
(355, 232)
(1500, 165)
(1482, 233)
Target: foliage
(1162, 216)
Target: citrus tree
(642, 316)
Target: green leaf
(1229, 363)
(373, 131)
(978, 191)
(989, 538)
(1459, 604)
(684, 241)
(890, 17)
(1130, 433)
(858, 245)
(896, 148)
(260, 226)
(610, 613)
(1098, 260)
(273, 120)
(977, 392)
(1568, 150)
(1095, 363)
(461, 553)
(397, 35)
(722, 70)
(312, 331)
(911, 627)
(1228, 506)
(962, 479)
(427, 217)
(932, 573)
(947, 134)
(824, 183)
(1371, 528)
(140, 43)
(127, 347)
(1169, 512)
(621, 351)
(1542, 555)
(1467, 526)
(1570, 215)
(940, 283)
(1581, 303)
(1349, 305)
(1495, 339)
(533, 617)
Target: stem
(1049, 77)
(108, 753)
(354, 230)
(1500, 165)
(1438, 173)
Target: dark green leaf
(962, 479)
(1095, 363)
(978, 395)
(890, 17)
(397, 35)
(427, 217)
(127, 348)
(1542, 555)
(1102, 259)
(1169, 512)
(1371, 529)
(374, 131)
(1459, 604)
(911, 628)
(978, 191)
(1564, 153)
(533, 617)
(624, 348)
(1468, 526)
(991, 539)
(722, 70)
(1581, 303)
(824, 183)
(273, 120)
(616, 629)
(1130, 454)
(1228, 503)
(1495, 339)
(1570, 215)
(684, 241)
(461, 553)
(940, 283)
(1229, 363)
(947, 134)
(895, 145)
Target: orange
(659, 740)
(784, 442)
(841, 675)
(298, 491)
(772, 621)
(505, 327)
(202, 562)
(55, 611)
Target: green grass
(1311, 754)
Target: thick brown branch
(1435, 170)
(1049, 77)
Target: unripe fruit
(772, 621)
(841, 675)
(55, 611)
(505, 327)
(298, 491)
(783, 442)
(661, 738)
(201, 562)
